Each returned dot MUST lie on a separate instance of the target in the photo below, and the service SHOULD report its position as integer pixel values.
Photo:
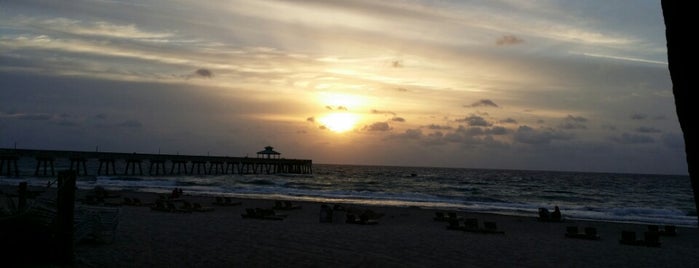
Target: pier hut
(269, 153)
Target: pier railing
(86, 163)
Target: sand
(403, 237)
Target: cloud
(438, 127)
(311, 119)
(397, 64)
(474, 121)
(378, 126)
(528, 135)
(483, 102)
(507, 40)
(573, 122)
(204, 73)
(626, 138)
(338, 108)
(508, 121)
(374, 111)
(497, 130)
(411, 134)
(398, 119)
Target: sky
(501, 84)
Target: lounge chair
(590, 233)
(668, 230)
(651, 239)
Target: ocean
(637, 198)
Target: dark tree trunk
(680, 54)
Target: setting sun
(339, 122)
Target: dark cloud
(378, 126)
(398, 119)
(338, 108)
(648, 130)
(626, 138)
(483, 102)
(438, 127)
(497, 130)
(506, 40)
(471, 131)
(400, 89)
(204, 73)
(311, 119)
(528, 135)
(411, 134)
(397, 64)
(573, 122)
(508, 121)
(474, 121)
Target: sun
(339, 122)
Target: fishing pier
(18, 162)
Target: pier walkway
(16, 162)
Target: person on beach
(544, 214)
(556, 214)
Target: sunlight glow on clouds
(453, 80)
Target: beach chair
(668, 230)
(651, 239)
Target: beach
(403, 237)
